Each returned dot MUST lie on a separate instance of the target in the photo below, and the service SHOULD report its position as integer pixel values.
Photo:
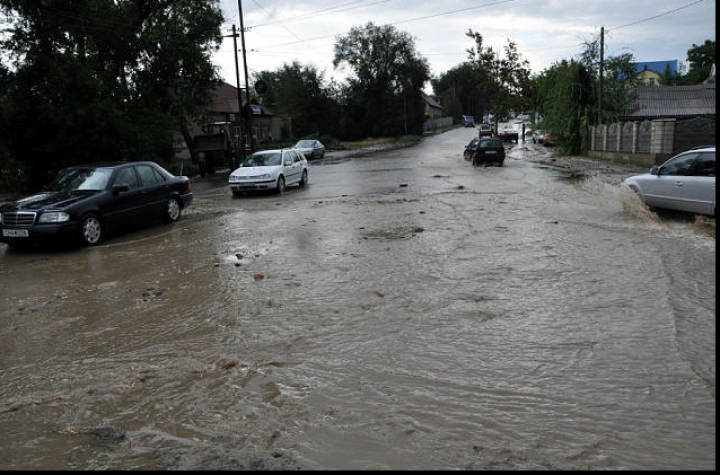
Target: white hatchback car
(269, 170)
(686, 182)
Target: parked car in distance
(537, 136)
(549, 139)
(468, 120)
(485, 130)
(543, 137)
(469, 149)
(270, 170)
(310, 148)
(685, 182)
(489, 150)
(509, 135)
(86, 203)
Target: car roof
(703, 148)
(110, 164)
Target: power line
(658, 16)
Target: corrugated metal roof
(673, 101)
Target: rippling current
(406, 311)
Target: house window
(651, 81)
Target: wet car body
(537, 136)
(310, 148)
(469, 149)
(269, 170)
(509, 135)
(685, 182)
(489, 150)
(86, 203)
(548, 139)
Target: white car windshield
(263, 160)
(304, 144)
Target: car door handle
(679, 183)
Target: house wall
(650, 141)
(649, 78)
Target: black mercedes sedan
(85, 204)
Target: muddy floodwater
(405, 310)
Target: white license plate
(490, 152)
(15, 232)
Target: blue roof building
(657, 66)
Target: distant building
(673, 102)
(433, 110)
(651, 73)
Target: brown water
(405, 311)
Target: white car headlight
(54, 217)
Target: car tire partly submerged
(281, 185)
(303, 179)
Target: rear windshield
(492, 143)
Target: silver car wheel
(173, 210)
(92, 230)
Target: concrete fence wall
(434, 124)
(651, 141)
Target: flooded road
(404, 311)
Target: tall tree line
(89, 80)
(381, 98)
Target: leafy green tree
(701, 59)
(301, 94)
(458, 92)
(567, 95)
(385, 96)
(103, 79)
(563, 104)
(505, 81)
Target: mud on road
(405, 311)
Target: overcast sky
(545, 31)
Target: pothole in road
(400, 232)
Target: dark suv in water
(488, 150)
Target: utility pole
(239, 92)
(248, 117)
(600, 75)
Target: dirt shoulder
(574, 165)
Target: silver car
(270, 170)
(310, 148)
(686, 182)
